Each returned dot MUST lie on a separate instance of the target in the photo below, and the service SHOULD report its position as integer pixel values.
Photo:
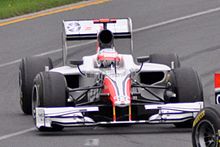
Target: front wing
(74, 116)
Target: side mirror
(143, 59)
(76, 62)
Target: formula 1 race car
(108, 88)
(206, 126)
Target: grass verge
(11, 8)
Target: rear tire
(50, 90)
(186, 84)
(206, 127)
(29, 68)
(165, 59)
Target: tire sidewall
(51, 89)
(212, 116)
(37, 93)
(43, 85)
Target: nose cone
(118, 86)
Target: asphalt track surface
(196, 40)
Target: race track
(170, 26)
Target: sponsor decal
(198, 118)
(88, 28)
(74, 27)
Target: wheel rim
(206, 135)
(35, 101)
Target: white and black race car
(108, 88)
(206, 126)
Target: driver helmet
(108, 57)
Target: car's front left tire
(186, 83)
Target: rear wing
(89, 29)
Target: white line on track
(178, 19)
(10, 63)
(16, 133)
(87, 43)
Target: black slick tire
(187, 85)
(28, 69)
(50, 90)
(206, 127)
(188, 88)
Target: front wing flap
(74, 116)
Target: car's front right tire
(50, 90)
